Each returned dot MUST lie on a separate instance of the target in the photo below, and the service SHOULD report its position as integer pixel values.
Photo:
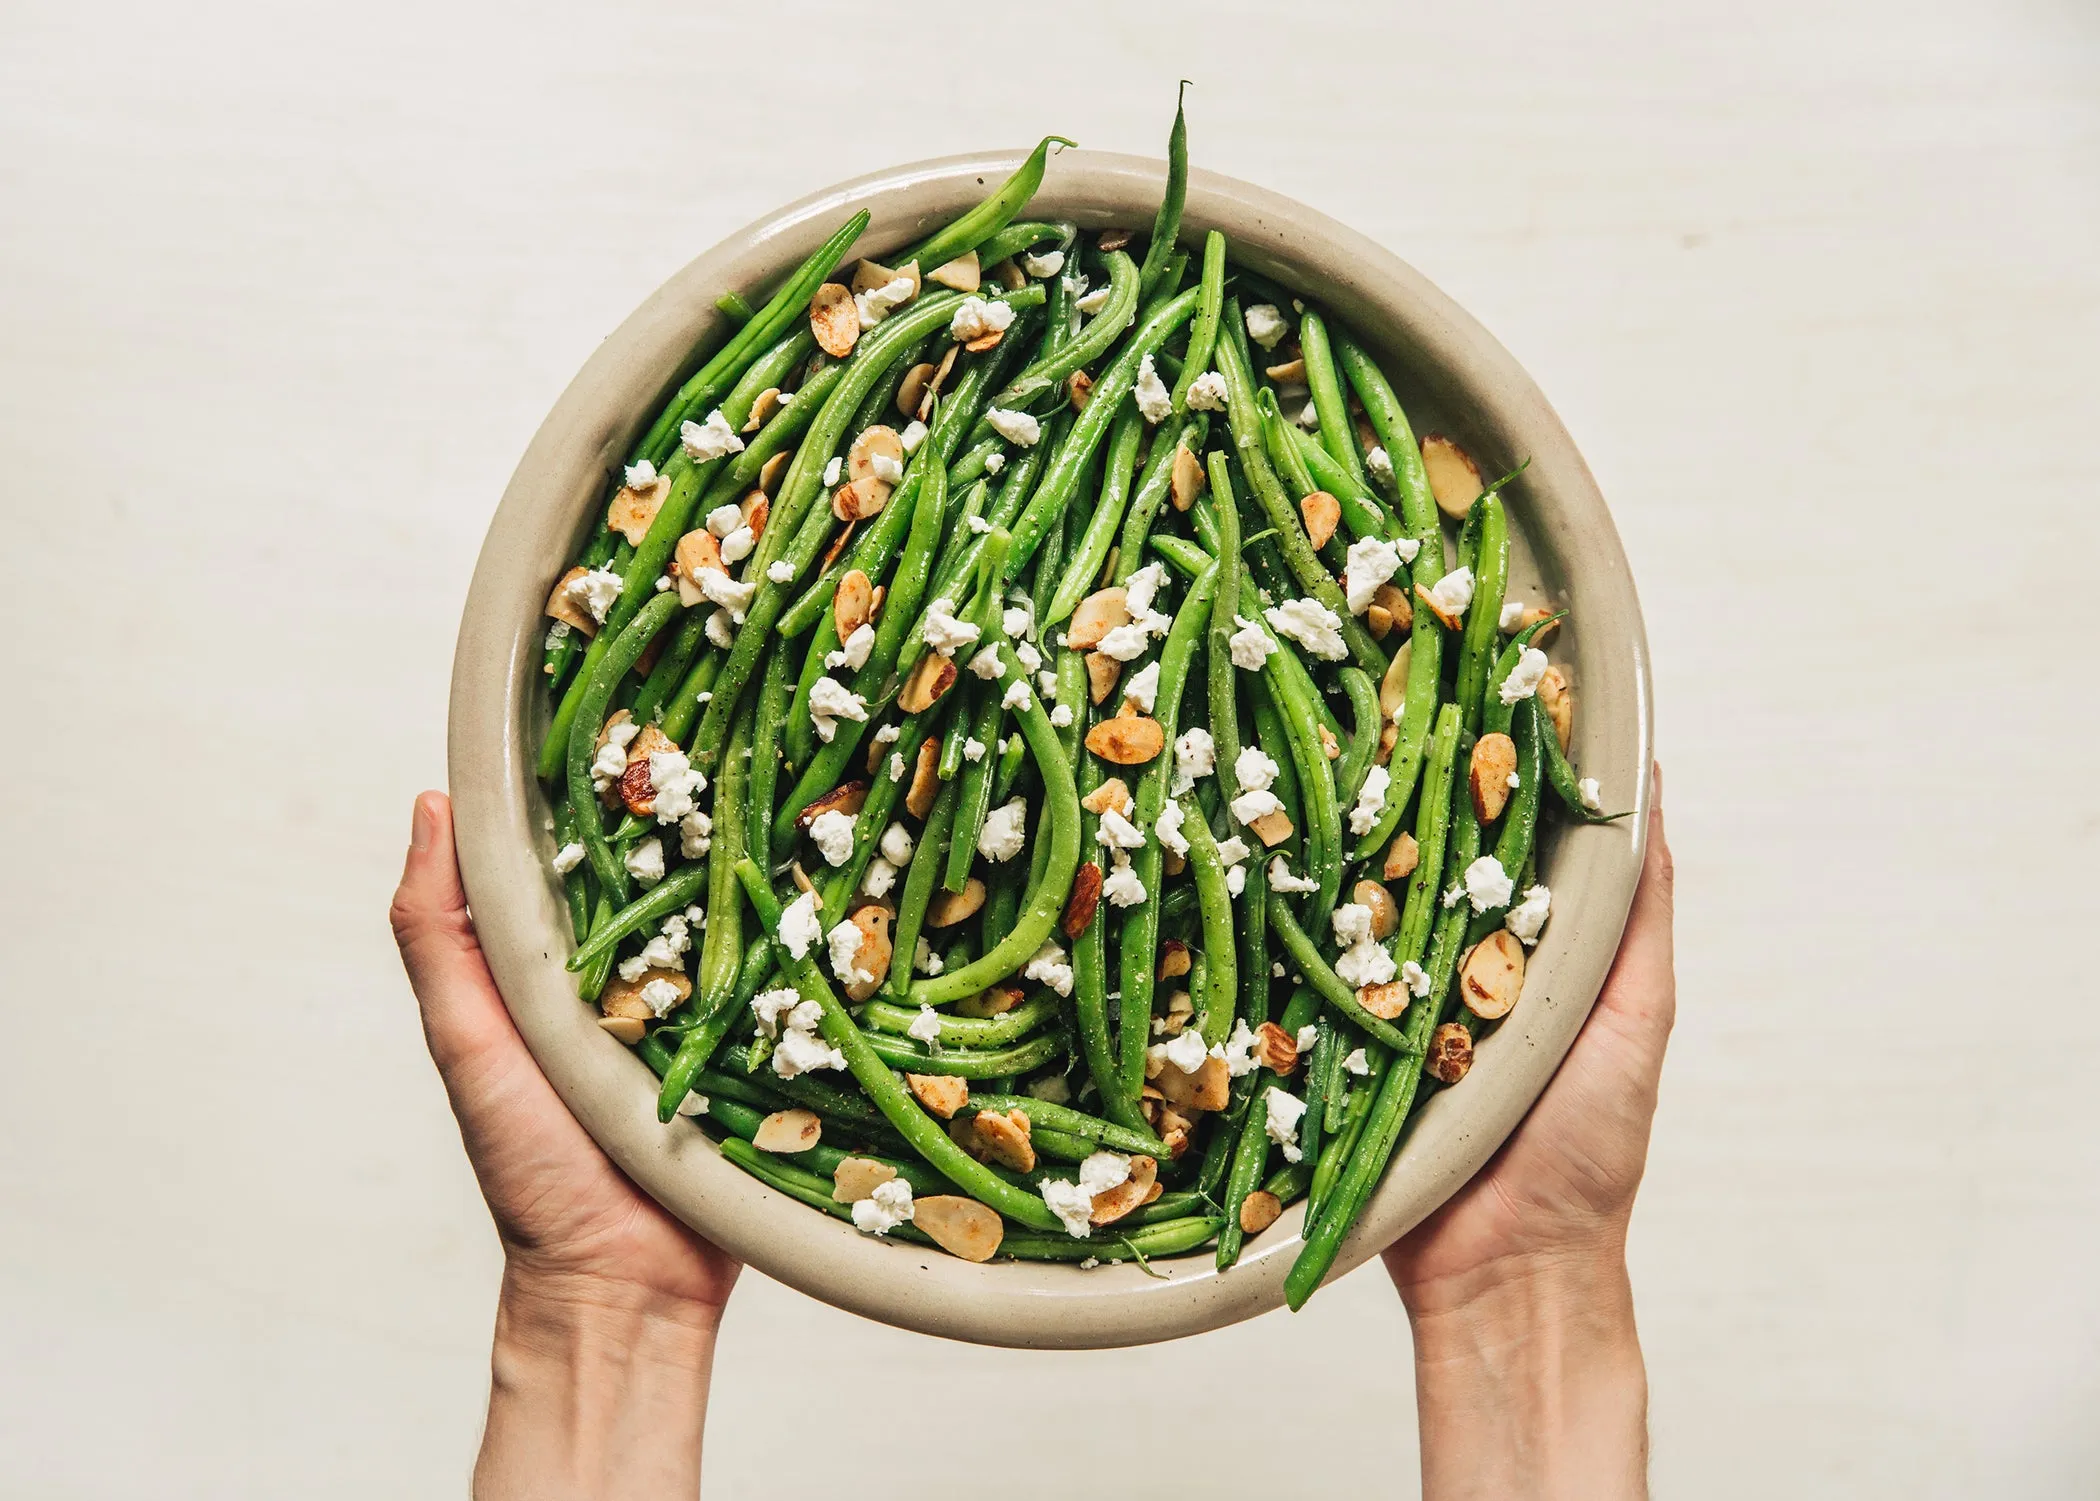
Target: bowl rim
(1428, 344)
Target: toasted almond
(1449, 621)
(857, 500)
(961, 1227)
(637, 791)
(1329, 744)
(770, 471)
(882, 592)
(625, 1028)
(1009, 275)
(962, 274)
(1181, 1010)
(873, 440)
(939, 383)
(1112, 1204)
(1113, 239)
(1188, 478)
(1385, 912)
(1274, 827)
(913, 390)
(853, 604)
(834, 320)
(1379, 622)
(1085, 897)
(569, 610)
(925, 780)
(1322, 513)
(1384, 1001)
(1102, 674)
(1491, 976)
(1453, 476)
(1558, 700)
(623, 997)
(838, 544)
(804, 885)
(1079, 386)
(756, 508)
(763, 406)
(1108, 566)
(1110, 794)
(1129, 739)
(1394, 601)
(1005, 1139)
(1392, 688)
(632, 510)
(1401, 857)
(857, 1178)
(873, 958)
(1450, 1053)
(1366, 436)
(1173, 1129)
(1487, 775)
(696, 553)
(646, 662)
(1172, 863)
(1289, 373)
(989, 339)
(1537, 615)
(1173, 959)
(869, 275)
(942, 1094)
(791, 1130)
(1207, 1088)
(848, 798)
(1152, 1193)
(1259, 1210)
(993, 1000)
(934, 676)
(950, 907)
(1275, 1049)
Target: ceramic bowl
(1452, 376)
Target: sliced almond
(1114, 239)
(1152, 1193)
(857, 500)
(567, 608)
(882, 592)
(1401, 857)
(989, 339)
(637, 791)
(1384, 1001)
(1129, 739)
(1385, 912)
(1537, 615)
(1491, 976)
(834, 320)
(853, 604)
(1079, 386)
(1275, 1049)
(876, 440)
(1102, 674)
(1085, 897)
(849, 798)
(939, 383)
(1392, 688)
(857, 1178)
(632, 510)
(697, 552)
(1453, 476)
(1207, 1088)
(1009, 275)
(993, 1000)
(1289, 373)
(1558, 700)
(1487, 775)
(934, 676)
(941, 1094)
(1446, 618)
(873, 958)
(1450, 1053)
(1259, 1210)
(1111, 1204)
(925, 780)
(1187, 478)
(763, 406)
(1379, 622)
(1005, 1139)
(1329, 744)
(611, 795)
(623, 997)
(1389, 736)
(804, 885)
(792, 1130)
(1274, 827)
(961, 1227)
(1172, 863)
(626, 1028)
(1173, 959)
(756, 508)
(869, 275)
(962, 274)
(1181, 1010)
(1110, 794)
(913, 390)
(950, 907)
(838, 544)
(770, 471)
(1322, 513)
(1394, 601)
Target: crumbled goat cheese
(1357, 1063)
(1379, 465)
(832, 471)
(671, 942)
(1155, 403)
(832, 833)
(1102, 1171)
(1591, 794)
(1049, 966)
(596, 591)
(1092, 302)
(557, 633)
(1260, 803)
(710, 439)
(1266, 324)
(1005, 831)
(1370, 800)
(1454, 896)
(830, 701)
(661, 584)
(1312, 625)
(1125, 643)
(973, 750)
(1122, 887)
(1232, 851)
(641, 474)
(986, 664)
(1514, 781)
(1207, 392)
(913, 435)
(1282, 880)
(844, 942)
(976, 317)
(926, 1026)
(1073, 1206)
(1528, 916)
(723, 520)
(725, 591)
(1238, 1051)
(1415, 978)
(1523, 679)
(1195, 755)
(1048, 680)
(897, 843)
(1029, 658)
(885, 468)
(1168, 828)
(1061, 717)
(879, 878)
(1049, 263)
(695, 834)
(1364, 963)
(1512, 615)
(720, 630)
(1352, 923)
(1119, 833)
(1280, 1121)
(896, 766)
(1309, 419)
(693, 1104)
(611, 760)
(676, 784)
(854, 651)
(887, 735)
(1017, 696)
(1452, 593)
(801, 1050)
(1142, 587)
(567, 858)
(780, 571)
(1186, 1051)
(1256, 770)
(1488, 884)
(874, 304)
(1014, 427)
(944, 633)
(977, 524)
(1372, 563)
(645, 862)
(798, 926)
(1143, 687)
(1250, 644)
(769, 1006)
(884, 1209)
(1017, 621)
(1308, 1035)
(993, 463)
(660, 996)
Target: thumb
(462, 1013)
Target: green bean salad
(1033, 772)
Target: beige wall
(282, 297)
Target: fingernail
(421, 826)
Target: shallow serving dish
(1453, 378)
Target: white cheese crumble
(896, 766)
(897, 843)
(832, 833)
(1364, 963)
(1123, 888)
(1250, 645)
(1591, 794)
(800, 1049)
(886, 1207)
(1050, 966)
(798, 926)
(832, 471)
(1005, 831)
(1014, 427)
(1512, 615)
(641, 474)
(944, 633)
(913, 435)
(1073, 1206)
(769, 1006)
(693, 1104)
(993, 463)
(1379, 465)
(675, 784)
(1282, 879)
(1143, 688)
(1308, 1035)
(885, 468)
(1186, 1050)
(1266, 326)
(1415, 978)
(1312, 625)
(1207, 392)
(611, 760)
(1049, 263)
(1238, 1051)
(1453, 592)
(1357, 1063)
(645, 862)
(1282, 1112)
(1016, 697)
(973, 750)
(1051, 1089)
(1092, 302)
(695, 834)
(1523, 679)
(1125, 643)
(567, 858)
(670, 944)
(1119, 833)
(1018, 620)
(853, 652)
(1168, 828)
(1352, 923)
(710, 439)
(1370, 800)
(1256, 770)
(1030, 659)
(977, 524)
(875, 304)
(925, 1027)
(596, 591)
(1195, 755)
(780, 571)
(737, 545)
(925, 960)
(1371, 564)
(723, 520)
(986, 664)
(844, 942)
(976, 317)
(1061, 717)
(1249, 806)
(1154, 402)
(725, 591)
(1528, 916)
(830, 701)
(1488, 884)
(887, 735)
(879, 878)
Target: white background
(284, 290)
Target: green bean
(765, 758)
(1058, 1145)
(1289, 1181)
(874, 815)
(822, 1159)
(590, 713)
(1167, 1238)
(1362, 742)
(1432, 825)
(884, 1088)
(965, 1031)
(575, 885)
(1521, 816)
(1049, 566)
(1561, 776)
(1224, 699)
(964, 1063)
(1269, 730)
(1341, 1143)
(1251, 1149)
(671, 665)
(736, 1088)
(1221, 986)
(1090, 975)
(1476, 653)
(1072, 693)
(1418, 514)
(675, 892)
(723, 947)
(799, 736)
(1012, 756)
(732, 306)
(697, 1048)
(976, 799)
(1158, 479)
(989, 217)
(1016, 238)
(560, 651)
(919, 879)
(1045, 373)
(1137, 951)
(1335, 435)
(1362, 511)
(1166, 224)
(1203, 333)
(1497, 717)
(1045, 1114)
(1322, 978)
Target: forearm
(1531, 1385)
(594, 1396)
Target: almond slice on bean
(1453, 476)
(697, 552)
(857, 1178)
(622, 997)
(1446, 618)
(763, 406)
(941, 1094)
(1487, 775)
(913, 390)
(1401, 857)
(1450, 1053)
(1388, 737)
(934, 676)
(1289, 373)
(1393, 599)
(853, 605)
(962, 274)
(1102, 674)
(1272, 827)
(1112, 1204)
(939, 383)
(632, 510)
(1259, 1210)
(1097, 615)
(1385, 912)
(834, 319)
(756, 508)
(925, 780)
(1329, 744)
(1173, 959)
(849, 797)
(1207, 1088)
(794, 1130)
(874, 440)
(567, 608)
(993, 1000)
(1392, 688)
(1110, 794)
(1378, 620)
(989, 339)
(1129, 739)
(1322, 513)
(1275, 1049)
(1188, 479)
(857, 500)
(1537, 615)
(1005, 1139)
(869, 275)
(1558, 700)
(1384, 1001)
(1079, 386)
(950, 907)
(1114, 239)
(961, 1227)
(769, 472)
(1085, 897)
(873, 957)
(1491, 976)
(637, 791)
(626, 1028)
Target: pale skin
(1528, 1372)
